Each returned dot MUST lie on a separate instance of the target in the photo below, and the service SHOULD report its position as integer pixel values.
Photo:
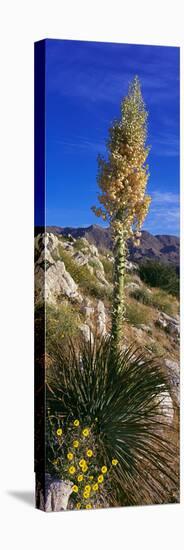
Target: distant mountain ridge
(165, 248)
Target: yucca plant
(106, 414)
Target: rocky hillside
(78, 294)
(160, 247)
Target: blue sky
(85, 83)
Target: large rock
(58, 283)
(173, 371)
(52, 494)
(87, 333)
(101, 318)
(169, 324)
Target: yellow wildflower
(80, 478)
(89, 452)
(70, 456)
(75, 444)
(91, 477)
(84, 468)
(95, 487)
(104, 469)
(100, 478)
(85, 432)
(71, 469)
(88, 506)
(59, 431)
(75, 489)
(78, 506)
(114, 461)
(76, 422)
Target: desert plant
(107, 432)
(160, 275)
(122, 179)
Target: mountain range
(165, 248)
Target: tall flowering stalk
(122, 178)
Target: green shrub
(137, 314)
(157, 274)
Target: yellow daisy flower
(100, 478)
(75, 489)
(95, 487)
(84, 468)
(71, 470)
(89, 452)
(88, 506)
(59, 431)
(70, 456)
(104, 469)
(114, 461)
(85, 432)
(76, 444)
(80, 478)
(76, 422)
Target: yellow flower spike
(59, 431)
(114, 461)
(88, 506)
(70, 456)
(95, 487)
(89, 453)
(71, 470)
(76, 444)
(104, 469)
(75, 489)
(80, 478)
(100, 478)
(78, 506)
(76, 423)
(82, 463)
(85, 432)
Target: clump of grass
(164, 302)
(137, 314)
(143, 296)
(62, 321)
